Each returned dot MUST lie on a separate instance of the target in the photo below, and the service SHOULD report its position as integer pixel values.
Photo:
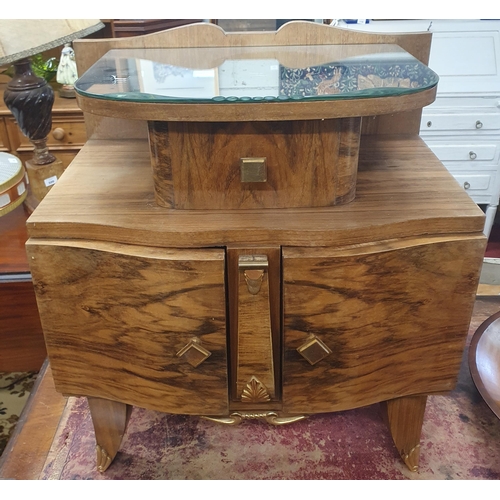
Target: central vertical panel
(255, 331)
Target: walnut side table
(256, 258)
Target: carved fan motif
(255, 392)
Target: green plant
(44, 68)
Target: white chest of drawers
(462, 127)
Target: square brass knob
(314, 350)
(253, 169)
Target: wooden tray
(484, 361)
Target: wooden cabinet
(66, 138)
(248, 311)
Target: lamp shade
(20, 38)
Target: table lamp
(29, 97)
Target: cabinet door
(144, 326)
(370, 323)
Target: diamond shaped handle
(194, 353)
(314, 350)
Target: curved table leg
(405, 417)
(110, 421)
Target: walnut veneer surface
(268, 313)
(387, 282)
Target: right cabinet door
(368, 323)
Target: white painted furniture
(462, 127)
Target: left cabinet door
(144, 326)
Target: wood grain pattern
(255, 336)
(309, 163)
(255, 331)
(27, 450)
(39, 176)
(21, 337)
(14, 234)
(395, 314)
(110, 420)
(121, 343)
(70, 129)
(260, 111)
(208, 35)
(402, 190)
(294, 33)
(405, 417)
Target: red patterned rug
(460, 440)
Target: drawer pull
(466, 185)
(479, 124)
(429, 123)
(58, 134)
(472, 155)
(194, 353)
(314, 350)
(254, 267)
(253, 169)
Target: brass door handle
(194, 353)
(253, 267)
(314, 350)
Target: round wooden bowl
(484, 361)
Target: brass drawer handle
(253, 169)
(194, 353)
(58, 134)
(314, 350)
(253, 267)
(466, 185)
(472, 155)
(479, 124)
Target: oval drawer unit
(479, 121)
(465, 151)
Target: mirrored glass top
(252, 74)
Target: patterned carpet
(15, 388)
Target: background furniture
(29, 97)
(134, 27)
(363, 302)
(462, 127)
(65, 139)
(21, 336)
